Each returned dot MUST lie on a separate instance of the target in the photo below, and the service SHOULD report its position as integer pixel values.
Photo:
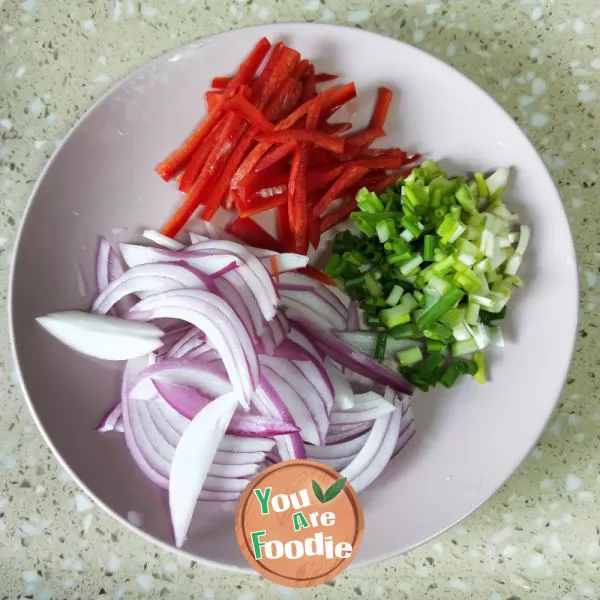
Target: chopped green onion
(380, 345)
(479, 375)
(482, 188)
(408, 330)
(395, 295)
(435, 346)
(464, 347)
(385, 229)
(373, 321)
(441, 307)
(410, 356)
(472, 313)
(429, 247)
(368, 201)
(397, 315)
(373, 286)
(410, 266)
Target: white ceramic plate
(101, 181)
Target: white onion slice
(198, 446)
(102, 336)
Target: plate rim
(192, 46)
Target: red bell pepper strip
(219, 191)
(297, 205)
(301, 69)
(382, 105)
(280, 67)
(381, 163)
(325, 99)
(220, 83)
(269, 83)
(262, 204)
(323, 77)
(337, 216)
(345, 180)
(251, 233)
(310, 85)
(199, 157)
(245, 109)
(314, 230)
(297, 192)
(316, 274)
(179, 157)
(364, 137)
(212, 97)
(205, 181)
(274, 155)
(333, 128)
(381, 153)
(268, 68)
(323, 140)
(283, 224)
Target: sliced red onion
(285, 261)
(102, 336)
(262, 283)
(210, 496)
(296, 336)
(338, 299)
(191, 339)
(232, 266)
(297, 380)
(108, 264)
(111, 419)
(189, 402)
(198, 446)
(353, 321)
(342, 433)
(367, 466)
(135, 255)
(343, 396)
(136, 438)
(352, 359)
(338, 463)
(239, 458)
(234, 443)
(311, 304)
(360, 416)
(280, 388)
(220, 324)
(210, 379)
(340, 450)
(234, 471)
(151, 278)
(162, 240)
(315, 372)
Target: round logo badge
(299, 523)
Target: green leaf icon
(318, 491)
(335, 488)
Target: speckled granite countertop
(539, 536)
